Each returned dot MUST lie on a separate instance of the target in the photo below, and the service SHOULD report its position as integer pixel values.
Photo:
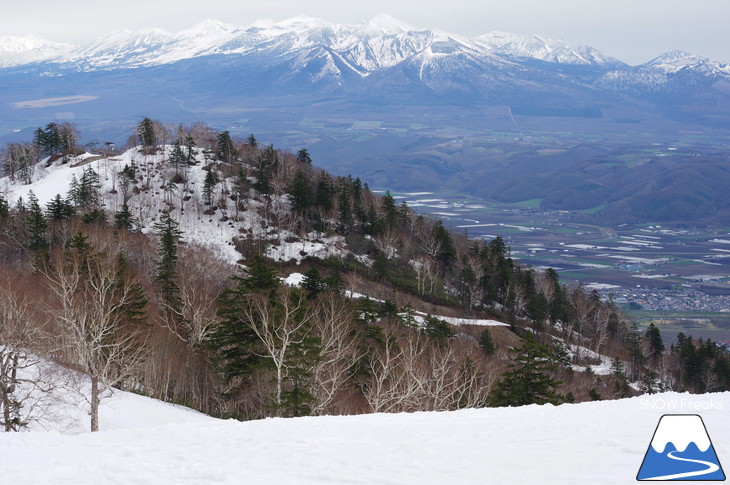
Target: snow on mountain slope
(545, 49)
(377, 44)
(674, 61)
(123, 47)
(598, 442)
(661, 71)
(154, 193)
(16, 51)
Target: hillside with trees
(243, 281)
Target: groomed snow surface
(599, 442)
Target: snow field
(599, 442)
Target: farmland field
(675, 275)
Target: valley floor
(600, 442)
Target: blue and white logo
(681, 450)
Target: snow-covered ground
(598, 442)
(184, 200)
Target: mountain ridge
(215, 37)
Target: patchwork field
(674, 275)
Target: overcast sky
(635, 31)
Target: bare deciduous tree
(93, 299)
(338, 351)
(280, 324)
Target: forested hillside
(243, 281)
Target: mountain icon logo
(681, 450)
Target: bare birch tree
(280, 322)
(25, 384)
(95, 301)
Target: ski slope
(600, 442)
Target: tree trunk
(94, 404)
(279, 378)
(6, 410)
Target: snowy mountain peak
(206, 28)
(21, 50)
(304, 22)
(387, 25)
(544, 48)
(24, 44)
(676, 60)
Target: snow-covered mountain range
(379, 43)
(216, 71)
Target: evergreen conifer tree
(251, 141)
(59, 208)
(656, 344)
(528, 381)
(234, 342)
(146, 133)
(486, 342)
(304, 157)
(226, 151)
(168, 231)
(438, 329)
(125, 220)
(300, 194)
(209, 186)
(177, 157)
(190, 153)
(313, 283)
(36, 224)
(4, 208)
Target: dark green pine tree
(390, 209)
(4, 208)
(177, 156)
(134, 309)
(51, 139)
(226, 151)
(344, 205)
(656, 344)
(439, 330)
(234, 343)
(313, 283)
(323, 193)
(86, 193)
(36, 224)
(39, 140)
(300, 194)
(447, 253)
(528, 381)
(59, 208)
(261, 276)
(209, 186)
(304, 157)
(190, 150)
(537, 309)
(335, 282)
(251, 141)
(146, 133)
(124, 219)
(486, 342)
(262, 174)
(168, 231)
